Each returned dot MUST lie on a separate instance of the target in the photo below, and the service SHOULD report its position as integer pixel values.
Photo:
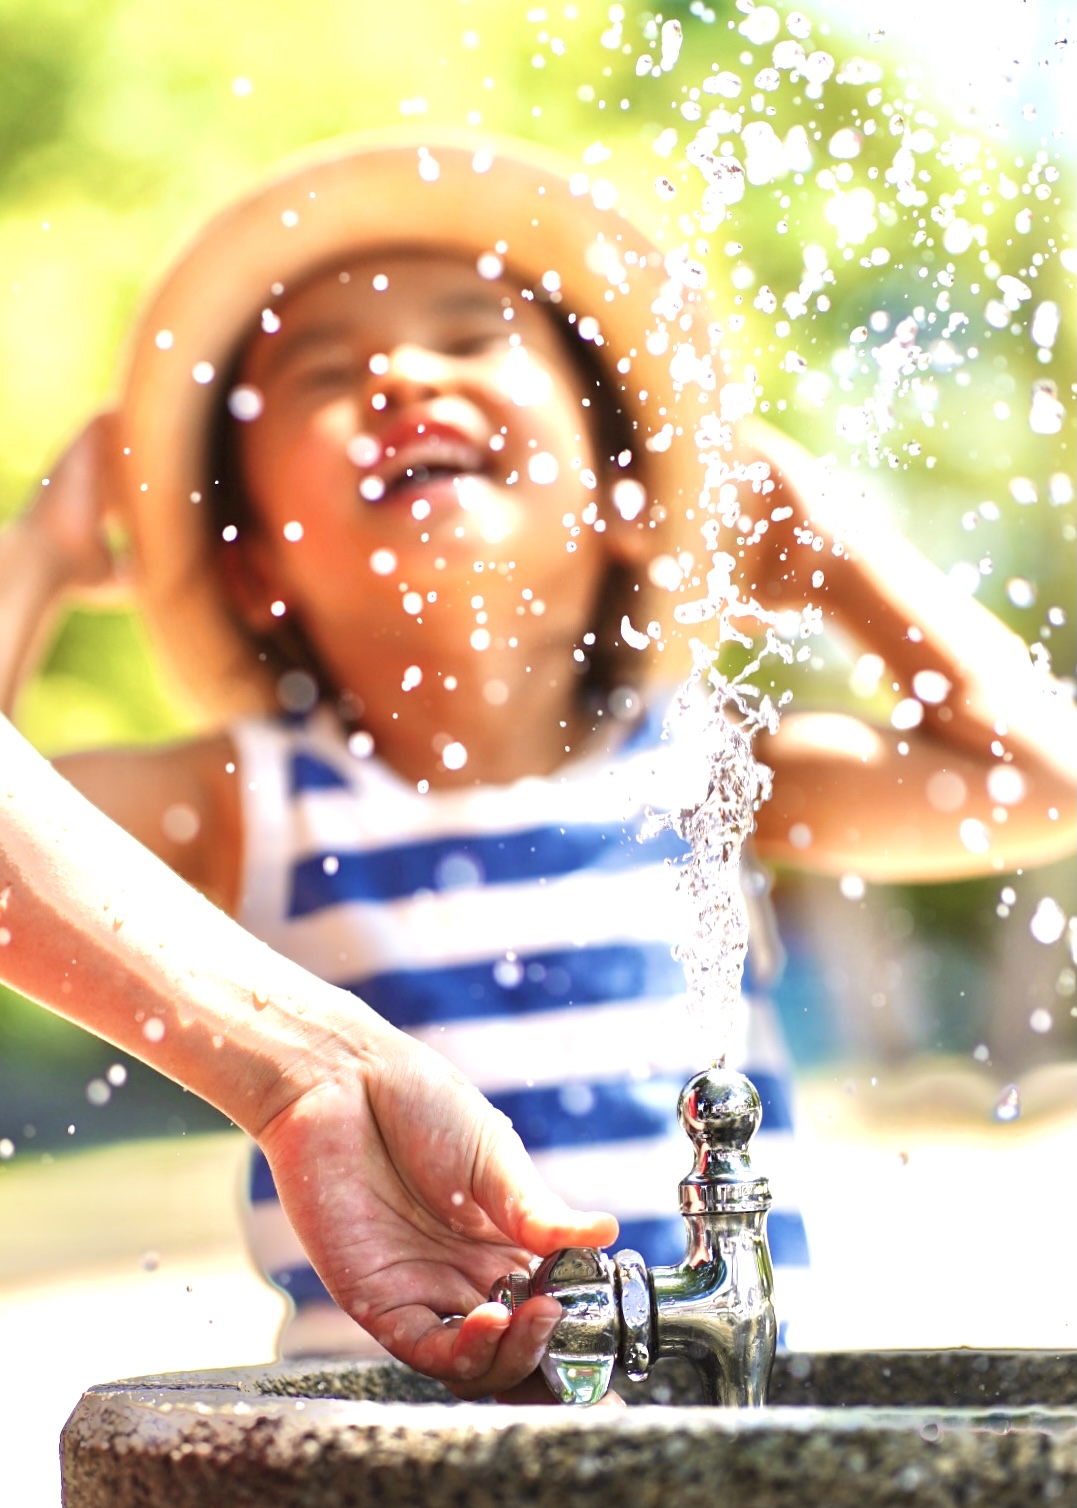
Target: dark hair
(286, 646)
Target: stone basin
(923, 1428)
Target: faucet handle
(578, 1362)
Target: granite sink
(864, 1429)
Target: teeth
(434, 455)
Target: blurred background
(904, 161)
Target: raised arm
(57, 545)
(409, 1192)
(987, 778)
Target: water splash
(715, 940)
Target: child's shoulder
(180, 800)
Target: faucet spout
(715, 1307)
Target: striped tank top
(524, 931)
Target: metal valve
(715, 1307)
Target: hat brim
(449, 194)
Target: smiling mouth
(425, 462)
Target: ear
(249, 580)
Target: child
(414, 500)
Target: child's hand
(69, 512)
(412, 1195)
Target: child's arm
(178, 801)
(409, 1192)
(56, 546)
(987, 779)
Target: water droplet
(180, 823)
(245, 403)
(163, 340)
(149, 1261)
(1008, 1104)
(117, 1075)
(154, 1029)
(297, 691)
(383, 562)
(203, 372)
(542, 468)
(632, 636)
(852, 887)
(1006, 786)
(260, 996)
(454, 756)
(457, 1197)
(5, 936)
(629, 497)
(1046, 414)
(363, 451)
(7, 1148)
(1048, 921)
(372, 488)
(672, 37)
(361, 744)
(1041, 1020)
(98, 1092)
(413, 677)
(909, 713)
(974, 835)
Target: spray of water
(715, 941)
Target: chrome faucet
(715, 1307)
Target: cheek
(298, 471)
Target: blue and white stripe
(525, 932)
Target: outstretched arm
(987, 778)
(409, 1192)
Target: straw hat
(451, 193)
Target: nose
(408, 373)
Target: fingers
(487, 1351)
(69, 511)
(482, 1368)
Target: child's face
(416, 451)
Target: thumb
(517, 1198)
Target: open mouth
(424, 459)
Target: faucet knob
(578, 1361)
(720, 1111)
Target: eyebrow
(289, 346)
